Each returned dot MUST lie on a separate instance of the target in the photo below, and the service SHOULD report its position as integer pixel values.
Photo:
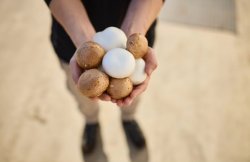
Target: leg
(128, 112)
(131, 127)
(89, 108)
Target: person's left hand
(150, 66)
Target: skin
(151, 65)
(140, 15)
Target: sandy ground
(195, 110)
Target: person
(75, 22)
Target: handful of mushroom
(112, 63)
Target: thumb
(151, 61)
(75, 70)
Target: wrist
(130, 29)
(82, 35)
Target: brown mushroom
(93, 83)
(137, 44)
(119, 88)
(89, 55)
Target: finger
(95, 99)
(137, 92)
(105, 97)
(120, 103)
(128, 101)
(124, 102)
(139, 89)
(75, 69)
(151, 61)
(113, 100)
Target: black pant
(102, 14)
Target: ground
(196, 108)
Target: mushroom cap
(93, 83)
(137, 44)
(118, 63)
(89, 55)
(139, 75)
(110, 38)
(119, 88)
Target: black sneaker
(134, 133)
(90, 138)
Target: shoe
(90, 138)
(134, 133)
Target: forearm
(74, 19)
(140, 16)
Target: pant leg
(89, 108)
(128, 112)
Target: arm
(139, 17)
(74, 19)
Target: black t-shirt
(102, 14)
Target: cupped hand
(151, 65)
(75, 69)
(76, 72)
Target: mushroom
(89, 55)
(93, 83)
(118, 63)
(110, 38)
(139, 75)
(119, 88)
(137, 44)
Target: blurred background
(196, 108)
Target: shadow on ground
(98, 155)
(137, 155)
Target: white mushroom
(110, 38)
(139, 75)
(118, 63)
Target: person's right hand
(75, 69)
(76, 72)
